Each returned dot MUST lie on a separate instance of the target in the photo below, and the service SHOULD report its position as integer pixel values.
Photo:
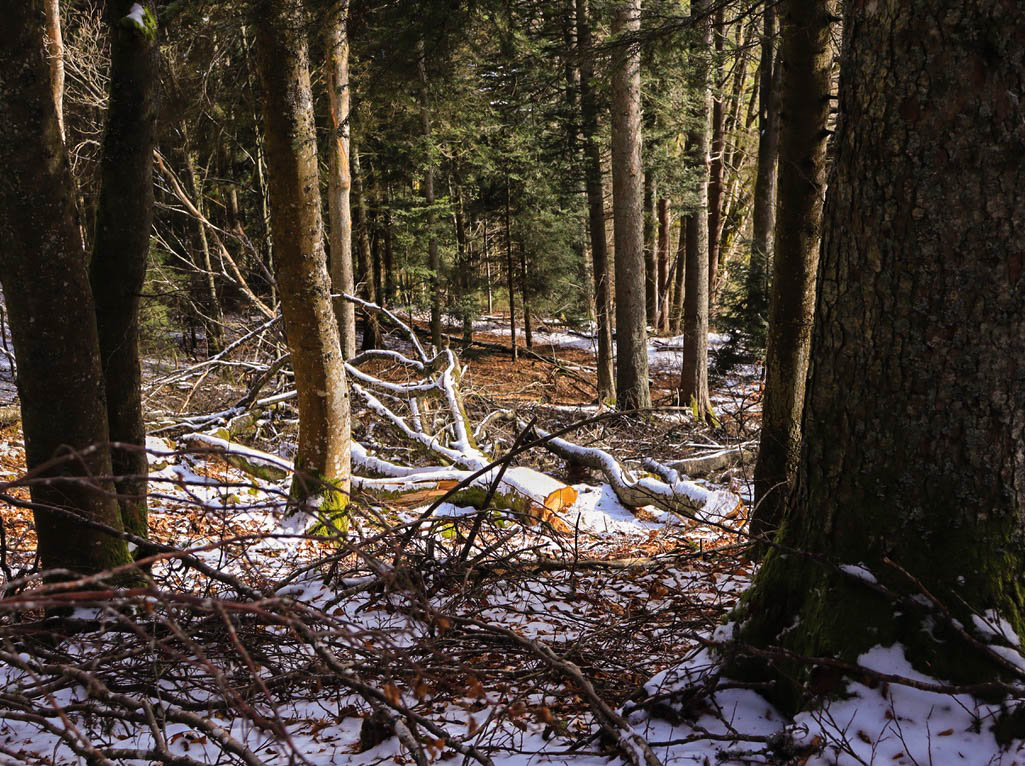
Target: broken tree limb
(671, 493)
(702, 465)
(262, 465)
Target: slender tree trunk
(434, 256)
(662, 318)
(124, 218)
(323, 459)
(510, 273)
(764, 206)
(260, 165)
(595, 203)
(628, 215)
(367, 287)
(650, 254)
(55, 53)
(676, 325)
(487, 267)
(715, 174)
(914, 419)
(694, 375)
(214, 319)
(56, 343)
(807, 58)
(528, 334)
(339, 179)
(465, 276)
(388, 297)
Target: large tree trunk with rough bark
(124, 217)
(914, 417)
(322, 462)
(807, 62)
(694, 372)
(339, 180)
(628, 214)
(60, 378)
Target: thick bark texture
(595, 204)
(914, 417)
(694, 373)
(339, 180)
(763, 214)
(60, 379)
(323, 457)
(628, 215)
(807, 62)
(124, 218)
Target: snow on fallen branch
(669, 492)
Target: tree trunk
(465, 273)
(434, 256)
(367, 288)
(214, 318)
(55, 53)
(323, 457)
(510, 273)
(764, 212)
(56, 343)
(694, 374)
(339, 179)
(715, 173)
(487, 268)
(913, 419)
(676, 323)
(628, 214)
(124, 219)
(595, 203)
(807, 58)
(528, 335)
(650, 254)
(388, 296)
(663, 266)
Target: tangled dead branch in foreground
(464, 614)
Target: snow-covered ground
(469, 624)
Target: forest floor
(428, 631)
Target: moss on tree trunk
(52, 315)
(300, 263)
(914, 416)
